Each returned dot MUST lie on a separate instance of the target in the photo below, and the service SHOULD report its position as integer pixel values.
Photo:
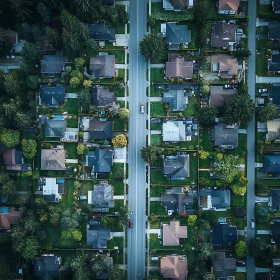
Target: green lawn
(117, 89)
(191, 109)
(262, 30)
(118, 187)
(71, 149)
(116, 166)
(118, 205)
(87, 185)
(157, 109)
(238, 200)
(115, 241)
(261, 64)
(67, 198)
(118, 124)
(190, 145)
(156, 92)
(157, 209)
(25, 184)
(70, 106)
(72, 123)
(156, 191)
(156, 126)
(156, 139)
(157, 74)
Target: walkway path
(154, 99)
(155, 199)
(268, 232)
(71, 95)
(156, 132)
(271, 80)
(118, 234)
(121, 66)
(153, 231)
(71, 160)
(157, 65)
(242, 131)
(119, 197)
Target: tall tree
(70, 219)
(44, 12)
(98, 265)
(206, 251)
(10, 137)
(84, 99)
(123, 216)
(151, 153)
(241, 249)
(21, 9)
(207, 115)
(79, 266)
(262, 214)
(119, 141)
(268, 112)
(29, 148)
(5, 42)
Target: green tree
(29, 148)
(10, 137)
(192, 220)
(72, 233)
(79, 62)
(241, 249)
(32, 81)
(205, 90)
(88, 83)
(207, 115)
(120, 16)
(119, 141)
(44, 12)
(31, 223)
(79, 266)
(209, 216)
(105, 221)
(84, 7)
(98, 265)
(20, 8)
(75, 82)
(5, 42)
(240, 212)
(238, 189)
(151, 153)
(261, 188)
(152, 47)
(123, 216)
(262, 214)
(118, 174)
(226, 168)
(80, 149)
(203, 154)
(242, 53)
(54, 214)
(267, 112)
(262, 251)
(23, 120)
(84, 100)
(69, 219)
(209, 276)
(206, 251)
(124, 114)
(116, 273)
(53, 38)
(240, 108)
(12, 85)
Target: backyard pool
(60, 181)
(58, 117)
(4, 209)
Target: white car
(142, 108)
(263, 90)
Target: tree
(23, 120)
(5, 271)
(32, 81)
(238, 189)
(124, 114)
(209, 276)
(261, 188)
(54, 214)
(79, 266)
(209, 216)
(262, 214)
(98, 265)
(10, 137)
(30, 52)
(20, 9)
(31, 223)
(203, 154)
(84, 7)
(151, 153)
(116, 273)
(242, 53)
(72, 233)
(5, 42)
(78, 74)
(12, 85)
(241, 249)
(120, 16)
(119, 141)
(202, 181)
(80, 149)
(205, 90)
(240, 212)
(207, 115)
(84, 99)
(79, 62)
(262, 250)
(267, 113)
(226, 168)
(75, 82)
(113, 108)
(29, 148)
(192, 220)
(152, 47)
(87, 83)
(206, 251)
(123, 216)
(240, 108)
(69, 219)
(118, 174)
(44, 12)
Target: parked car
(252, 223)
(142, 108)
(130, 224)
(240, 263)
(263, 90)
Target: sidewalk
(155, 199)
(121, 66)
(158, 132)
(118, 234)
(154, 99)
(71, 161)
(157, 65)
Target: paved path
(261, 22)
(154, 99)
(262, 270)
(119, 197)
(156, 132)
(71, 95)
(155, 199)
(71, 160)
(242, 131)
(157, 65)
(153, 231)
(118, 234)
(258, 164)
(241, 232)
(241, 269)
(122, 98)
(123, 3)
(121, 66)
(271, 80)
(122, 40)
(268, 232)
(251, 135)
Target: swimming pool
(4, 209)
(60, 181)
(58, 117)
(222, 220)
(103, 119)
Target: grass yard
(71, 149)
(72, 123)
(115, 241)
(156, 92)
(120, 56)
(157, 191)
(262, 30)
(117, 89)
(67, 198)
(156, 126)
(191, 109)
(87, 185)
(265, 11)
(157, 209)
(156, 139)
(157, 74)
(121, 74)
(261, 64)
(118, 205)
(238, 200)
(116, 166)
(118, 124)
(118, 187)
(240, 276)
(70, 106)
(25, 184)
(157, 109)
(190, 145)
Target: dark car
(130, 224)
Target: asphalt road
(137, 140)
(251, 135)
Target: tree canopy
(205, 251)
(119, 141)
(267, 112)
(29, 148)
(207, 115)
(10, 137)
(241, 249)
(151, 153)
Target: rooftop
(173, 232)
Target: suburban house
(176, 99)
(100, 130)
(273, 130)
(13, 159)
(53, 159)
(100, 96)
(174, 267)
(275, 270)
(177, 5)
(176, 167)
(98, 236)
(173, 234)
(102, 66)
(55, 128)
(173, 131)
(228, 7)
(219, 95)
(101, 197)
(225, 66)
(177, 67)
(223, 235)
(214, 199)
(176, 201)
(52, 64)
(52, 97)
(275, 232)
(271, 164)
(273, 30)
(276, 9)
(274, 95)
(99, 32)
(176, 35)
(50, 188)
(224, 137)
(46, 267)
(9, 216)
(223, 35)
(274, 63)
(101, 161)
(274, 199)
(223, 267)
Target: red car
(130, 224)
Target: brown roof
(173, 232)
(225, 65)
(12, 218)
(219, 95)
(102, 66)
(229, 5)
(12, 35)
(174, 267)
(53, 159)
(9, 156)
(177, 67)
(223, 34)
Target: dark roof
(275, 198)
(271, 163)
(222, 34)
(55, 128)
(224, 235)
(100, 32)
(275, 272)
(275, 231)
(108, 3)
(176, 99)
(97, 236)
(219, 199)
(176, 66)
(103, 66)
(51, 64)
(276, 5)
(102, 196)
(101, 160)
(12, 158)
(100, 130)
(52, 95)
(274, 64)
(180, 4)
(101, 96)
(273, 30)
(13, 217)
(219, 95)
(223, 266)
(275, 94)
(49, 197)
(46, 267)
(177, 167)
(223, 136)
(176, 33)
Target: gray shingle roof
(176, 33)
(219, 199)
(219, 95)
(52, 95)
(52, 64)
(177, 67)
(46, 268)
(274, 64)
(223, 136)
(101, 160)
(102, 196)
(98, 236)
(100, 32)
(177, 168)
(223, 266)
(52, 159)
(275, 199)
(55, 128)
(100, 130)
(174, 131)
(271, 163)
(101, 96)
(103, 66)
(176, 99)
(222, 34)
(224, 234)
(273, 30)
